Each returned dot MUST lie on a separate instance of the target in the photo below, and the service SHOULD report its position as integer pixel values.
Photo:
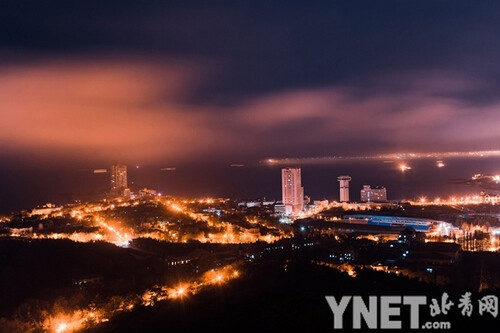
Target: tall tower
(292, 190)
(118, 178)
(344, 188)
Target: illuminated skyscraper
(292, 190)
(344, 188)
(118, 178)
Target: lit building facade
(118, 178)
(369, 194)
(344, 188)
(292, 190)
(493, 199)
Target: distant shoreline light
(387, 158)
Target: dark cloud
(133, 111)
(183, 80)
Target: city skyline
(63, 184)
(165, 85)
(227, 166)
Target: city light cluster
(474, 199)
(385, 157)
(99, 222)
(65, 321)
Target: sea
(24, 187)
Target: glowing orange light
(61, 327)
(404, 167)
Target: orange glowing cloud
(103, 109)
(140, 110)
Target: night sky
(169, 83)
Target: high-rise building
(369, 194)
(292, 190)
(118, 178)
(344, 188)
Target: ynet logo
(385, 312)
(389, 309)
